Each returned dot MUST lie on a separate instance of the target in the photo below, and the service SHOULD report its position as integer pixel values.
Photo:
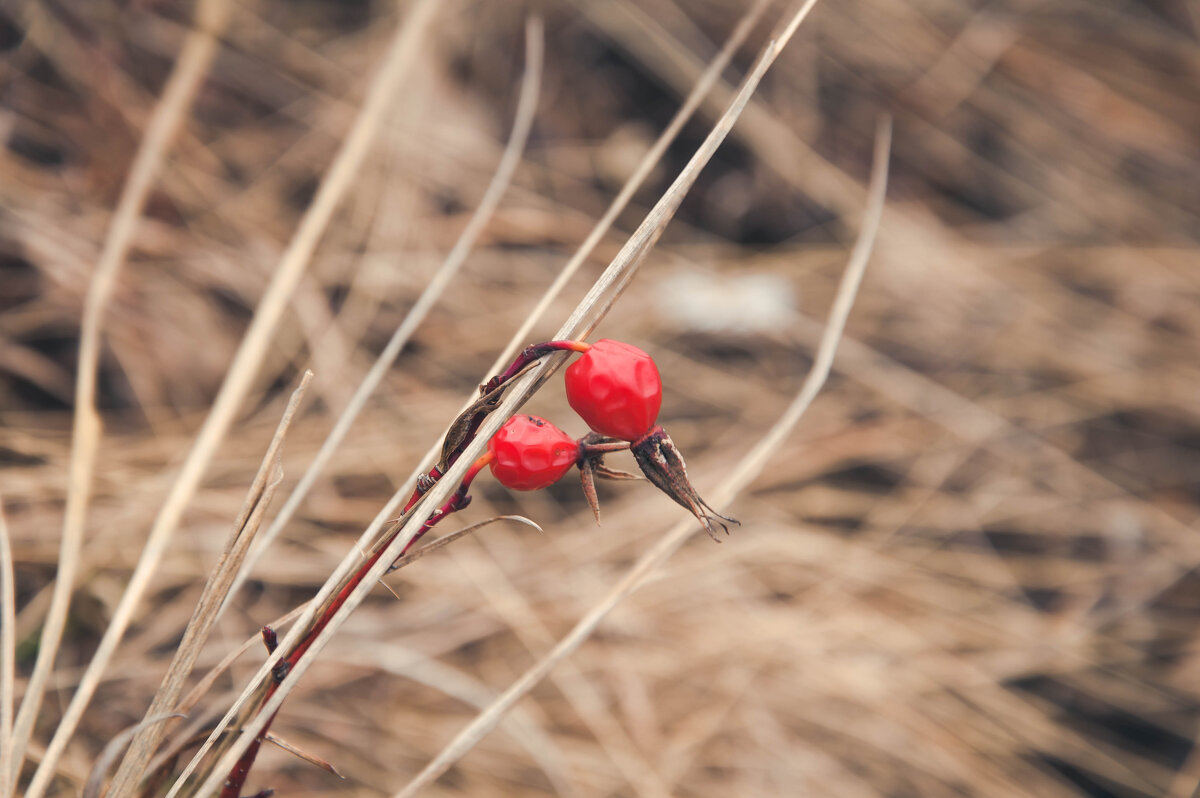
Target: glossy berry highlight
(615, 387)
(530, 453)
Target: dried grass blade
(581, 693)
(181, 87)
(8, 648)
(509, 160)
(623, 267)
(453, 536)
(201, 688)
(586, 315)
(258, 499)
(747, 469)
(403, 49)
(300, 753)
(254, 641)
(95, 782)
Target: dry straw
(196, 56)
(216, 591)
(190, 69)
(8, 648)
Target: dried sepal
(592, 448)
(661, 462)
(462, 430)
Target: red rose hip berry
(530, 453)
(616, 389)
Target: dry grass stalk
(593, 307)
(8, 648)
(243, 369)
(445, 540)
(525, 728)
(190, 69)
(216, 592)
(442, 279)
(696, 93)
(583, 696)
(94, 787)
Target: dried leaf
(295, 750)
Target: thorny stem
(237, 776)
(466, 425)
(456, 502)
(424, 483)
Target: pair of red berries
(617, 390)
(614, 387)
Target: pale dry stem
(186, 77)
(456, 683)
(8, 648)
(94, 786)
(699, 89)
(242, 371)
(584, 697)
(216, 591)
(741, 476)
(442, 279)
(445, 540)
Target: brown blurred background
(969, 573)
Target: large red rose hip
(616, 389)
(530, 453)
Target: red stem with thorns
(237, 776)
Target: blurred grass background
(970, 573)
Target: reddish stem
(237, 776)
(458, 501)
(531, 353)
(424, 483)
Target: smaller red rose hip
(615, 387)
(530, 453)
